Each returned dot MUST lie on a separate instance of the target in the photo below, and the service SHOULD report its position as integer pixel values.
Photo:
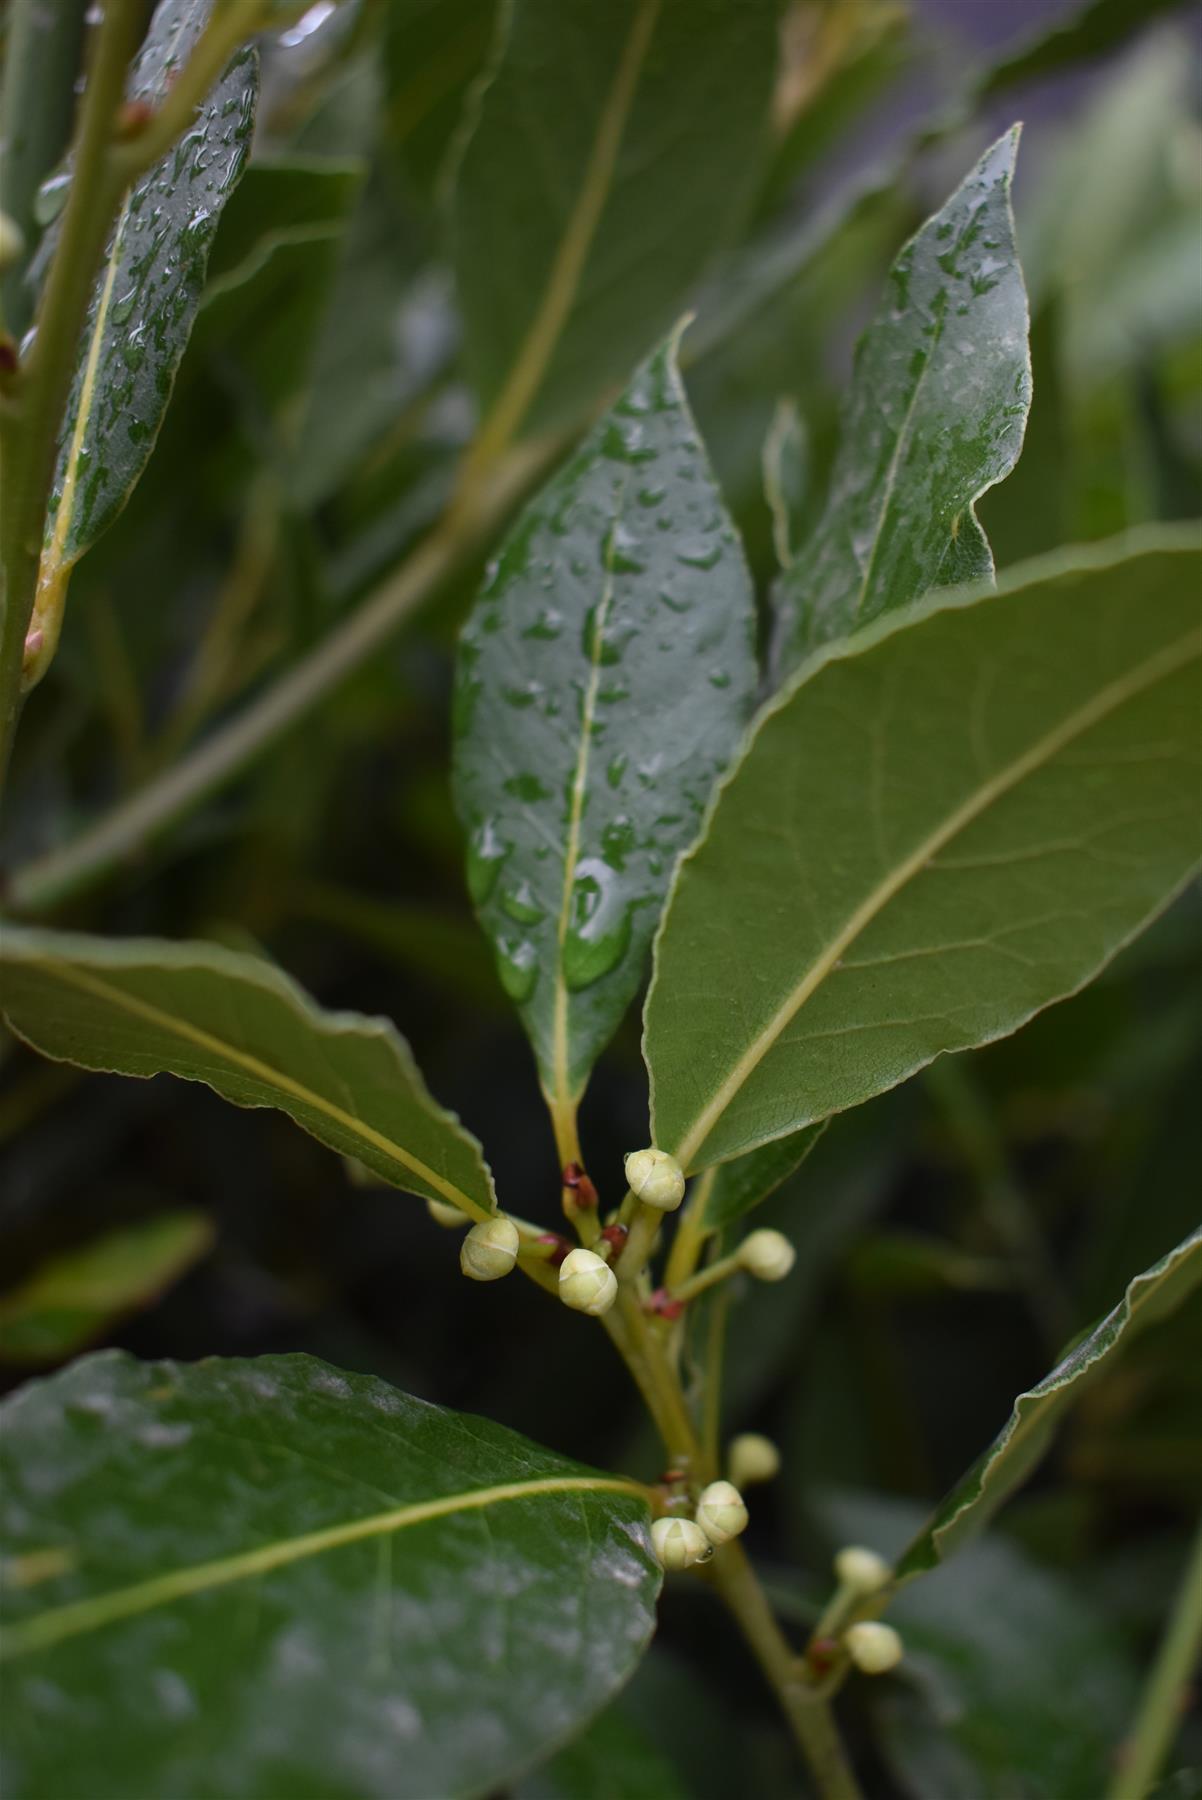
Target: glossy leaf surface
(147, 291)
(934, 416)
(270, 1579)
(614, 147)
(605, 678)
(144, 1007)
(1028, 1431)
(74, 1297)
(947, 823)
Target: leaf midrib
(568, 264)
(261, 1071)
(1165, 662)
(82, 1616)
(562, 1059)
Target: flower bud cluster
(721, 1515)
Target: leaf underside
(948, 823)
(145, 1007)
(1027, 1433)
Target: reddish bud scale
(133, 118)
(8, 355)
(821, 1655)
(571, 1174)
(664, 1305)
(615, 1236)
(557, 1247)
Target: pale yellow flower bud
(655, 1178)
(873, 1647)
(489, 1250)
(721, 1513)
(768, 1255)
(862, 1571)
(587, 1283)
(679, 1543)
(752, 1458)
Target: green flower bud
(587, 1283)
(655, 1178)
(752, 1458)
(873, 1647)
(444, 1213)
(679, 1543)
(861, 1571)
(721, 1513)
(489, 1250)
(768, 1255)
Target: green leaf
(75, 1297)
(605, 678)
(147, 292)
(270, 1578)
(934, 416)
(1028, 1431)
(613, 150)
(144, 1007)
(945, 824)
(1015, 1681)
(733, 1188)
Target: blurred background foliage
(953, 1235)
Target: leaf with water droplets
(146, 294)
(140, 1006)
(613, 150)
(605, 678)
(951, 819)
(273, 1578)
(934, 416)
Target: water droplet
(547, 626)
(651, 496)
(527, 787)
(617, 842)
(517, 967)
(621, 556)
(675, 604)
(700, 559)
(720, 678)
(599, 925)
(616, 770)
(486, 852)
(521, 906)
(595, 647)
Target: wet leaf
(1028, 1431)
(145, 1007)
(272, 1579)
(934, 416)
(946, 823)
(74, 1298)
(147, 291)
(605, 678)
(614, 148)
